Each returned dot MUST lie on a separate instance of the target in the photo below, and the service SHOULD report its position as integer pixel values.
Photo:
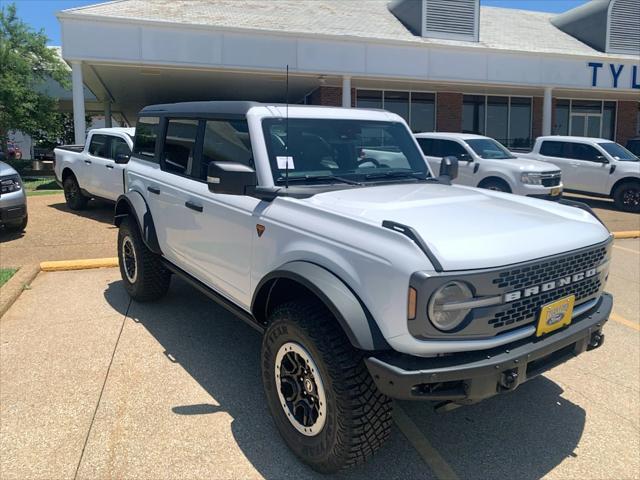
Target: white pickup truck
(95, 169)
(594, 166)
(486, 163)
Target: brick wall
(330, 96)
(449, 112)
(536, 120)
(626, 121)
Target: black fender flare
(132, 204)
(352, 315)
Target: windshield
(489, 148)
(343, 151)
(618, 152)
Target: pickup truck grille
(551, 179)
(525, 310)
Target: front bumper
(470, 377)
(12, 214)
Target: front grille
(526, 309)
(551, 179)
(550, 270)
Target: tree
(25, 64)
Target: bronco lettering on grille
(547, 286)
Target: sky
(41, 13)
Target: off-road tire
(627, 197)
(151, 280)
(358, 416)
(495, 185)
(76, 200)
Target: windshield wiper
(313, 178)
(412, 174)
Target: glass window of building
(423, 112)
(417, 108)
(498, 119)
(507, 119)
(473, 116)
(585, 118)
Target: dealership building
(443, 65)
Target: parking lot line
(623, 321)
(627, 249)
(429, 454)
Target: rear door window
(147, 130)
(552, 149)
(99, 146)
(428, 146)
(119, 146)
(179, 145)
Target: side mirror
(230, 178)
(122, 158)
(449, 168)
(602, 159)
(465, 157)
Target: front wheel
(320, 394)
(627, 197)
(495, 185)
(144, 276)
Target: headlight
(10, 183)
(531, 178)
(443, 310)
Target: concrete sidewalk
(93, 385)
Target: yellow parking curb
(79, 264)
(627, 234)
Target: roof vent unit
(623, 32)
(611, 26)
(447, 19)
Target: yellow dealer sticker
(555, 315)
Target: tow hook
(509, 379)
(597, 339)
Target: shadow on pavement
(6, 235)
(522, 435)
(99, 210)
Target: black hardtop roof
(200, 108)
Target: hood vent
(447, 19)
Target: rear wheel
(320, 394)
(627, 197)
(495, 184)
(144, 276)
(72, 193)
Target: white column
(346, 92)
(547, 111)
(107, 114)
(78, 101)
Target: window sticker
(283, 161)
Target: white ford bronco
(369, 277)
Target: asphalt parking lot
(97, 386)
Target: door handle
(88, 162)
(194, 206)
(109, 166)
(154, 190)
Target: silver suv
(13, 200)
(369, 277)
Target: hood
(524, 164)
(468, 228)
(6, 169)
